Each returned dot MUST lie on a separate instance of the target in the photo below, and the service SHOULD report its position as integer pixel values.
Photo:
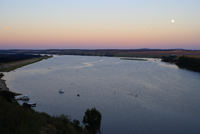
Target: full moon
(172, 21)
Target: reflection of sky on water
(133, 96)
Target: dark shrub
(92, 120)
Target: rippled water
(134, 97)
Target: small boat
(61, 91)
(24, 98)
(29, 105)
(32, 104)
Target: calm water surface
(134, 97)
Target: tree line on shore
(185, 62)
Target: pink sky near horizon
(98, 39)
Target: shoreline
(184, 62)
(7, 67)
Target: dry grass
(6, 67)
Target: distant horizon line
(5, 49)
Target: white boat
(24, 98)
(29, 105)
(61, 91)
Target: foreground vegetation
(16, 119)
(186, 62)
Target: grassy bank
(137, 59)
(185, 62)
(12, 62)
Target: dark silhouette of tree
(92, 120)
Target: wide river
(134, 97)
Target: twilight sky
(95, 24)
